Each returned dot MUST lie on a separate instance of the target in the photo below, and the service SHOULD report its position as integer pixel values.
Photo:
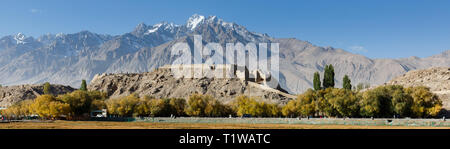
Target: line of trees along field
(322, 101)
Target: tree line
(383, 101)
(74, 105)
(348, 101)
(197, 105)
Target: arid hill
(161, 83)
(12, 94)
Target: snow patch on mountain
(20, 38)
(152, 30)
(68, 58)
(194, 20)
(170, 27)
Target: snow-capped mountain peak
(194, 20)
(20, 38)
(68, 58)
(161, 26)
(212, 19)
(152, 30)
(197, 19)
(60, 35)
(215, 19)
(141, 26)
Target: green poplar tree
(83, 85)
(328, 77)
(47, 88)
(316, 81)
(346, 83)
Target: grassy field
(147, 125)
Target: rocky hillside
(437, 79)
(162, 84)
(13, 94)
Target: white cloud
(35, 10)
(358, 48)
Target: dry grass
(147, 125)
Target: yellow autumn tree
(46, 106)
(248, 105)
(197, 104)
(425, 103)
(205, 105)
(124, 106)
(291, 109)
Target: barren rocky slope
(162, 84)
(13, 94)
(437, 79)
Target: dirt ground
(147, 125)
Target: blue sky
(376, 29)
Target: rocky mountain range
(68, 58)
